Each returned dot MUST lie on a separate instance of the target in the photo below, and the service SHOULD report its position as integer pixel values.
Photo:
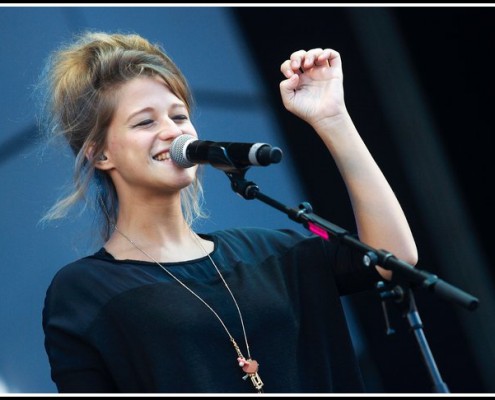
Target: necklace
(249, 366)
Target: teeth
(162, 157)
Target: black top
(127, 326)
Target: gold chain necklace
(249, 366)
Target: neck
(158, 228)
(153, 220)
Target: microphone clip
(246, 189)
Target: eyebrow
(147, 109)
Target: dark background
(450, 52)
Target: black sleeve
(76, 366)
(351, 274)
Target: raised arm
(313, 91)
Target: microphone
(187, 150)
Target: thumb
(288, 86)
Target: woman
(161, 308)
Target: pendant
(250, 367)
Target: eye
(180, 117)
(146, 122)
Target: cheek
(114, 147)
(121, 148)
(114, 144)
(190, 130)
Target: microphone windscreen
(178, 150)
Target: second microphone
(187, 150)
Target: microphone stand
(404, 273)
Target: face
(147, 118)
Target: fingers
(302, 60)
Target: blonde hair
(80, 80)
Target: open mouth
(162, 156)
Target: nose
(169, 131)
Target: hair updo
(81, 80)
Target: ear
(103, 163)
(102, 160)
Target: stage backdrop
(232, 56)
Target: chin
(185, 181)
